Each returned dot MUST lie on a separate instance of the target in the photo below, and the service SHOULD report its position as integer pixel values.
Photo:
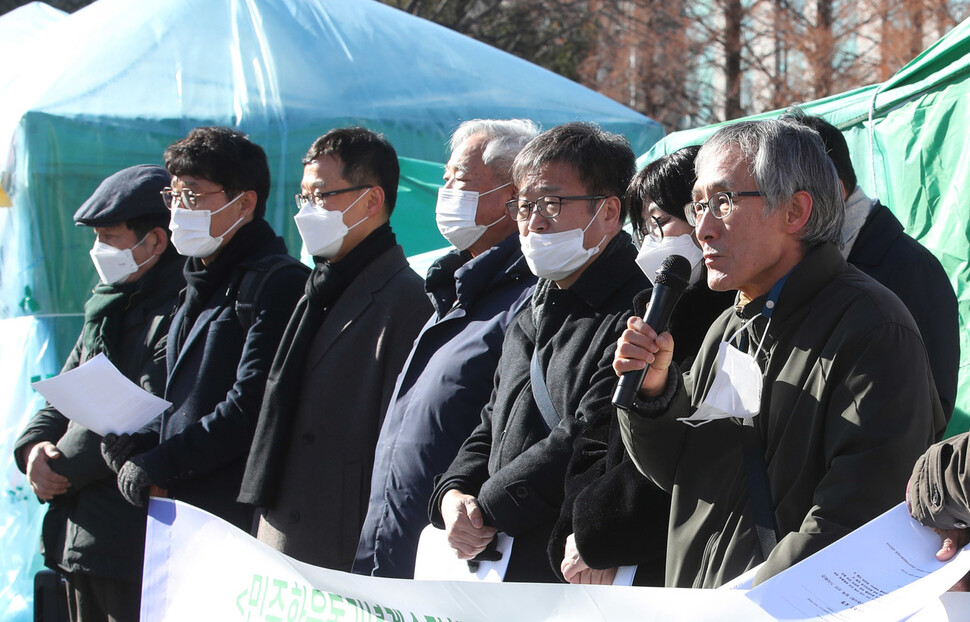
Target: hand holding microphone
(673, 277)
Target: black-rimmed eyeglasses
(318, 199)
(547, 206)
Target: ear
(375, 201)
(247, 203)
(161, 240)
(611, 212)
(510, 192)
(797, 212)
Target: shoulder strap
(549, 415)
(254, 279)
(759, 492)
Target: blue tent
(116, 82)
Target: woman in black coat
(613, 516)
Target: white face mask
(555, 256)
(323, 231)
(190, 231)
(114, 265)
(455, 214)
(653, 253)
(736, 390)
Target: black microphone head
(674, 272)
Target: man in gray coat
(310, 464)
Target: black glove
(489, 554)
(133, 481)
(116, 450)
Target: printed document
(885, 570)
(99, 397)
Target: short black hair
(604, 161)
(224, 156)
(668, 181)
(143, 224)
(366, 158)
(834, 141)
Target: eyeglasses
(318, 199)
(548, 206)
(653, 229)
(186, 198)
(721, 205)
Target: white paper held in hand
(99, 397)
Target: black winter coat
(216, 379)
(619, 517)
(511, 462)
(884, 251)
(92, 528)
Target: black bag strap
(253, 282)
(759, 492)
(549, 415)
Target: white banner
(198, 567)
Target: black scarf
(203, 280)
(324, 287)
(104, 315)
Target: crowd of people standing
(335, 412)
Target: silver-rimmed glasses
(721, 205)
(184, 198)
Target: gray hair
(504, 139)
(786, 157)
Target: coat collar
(875, 238)
(458, 278)
(358, 296)
(816, 270)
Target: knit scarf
(324, 288)
(104, 317)
(857, 209)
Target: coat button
(308, 437)
(295, 517)
(960, 524)
(521, 492)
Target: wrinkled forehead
(723, 170)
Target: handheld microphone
(673, 277)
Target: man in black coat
(91, 534)
(242, 288)
(875, 242)
(552, 376)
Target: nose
(707, 226)
(537, 222)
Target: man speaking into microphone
(808, 401)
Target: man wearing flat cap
(92, 535)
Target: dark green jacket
(91, 528)
(848, 403)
